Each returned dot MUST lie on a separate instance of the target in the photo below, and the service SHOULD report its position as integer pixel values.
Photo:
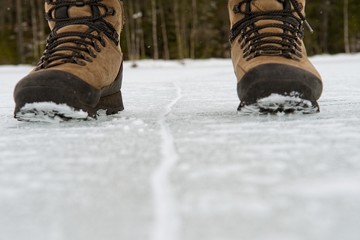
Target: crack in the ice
(167, 222)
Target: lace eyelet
(110, 11)
(78, 61)
(96, 47)
(237, 8)
(88, 59)
(43, 65)
(48, 16)
(102, 41)
(91, 53)
(79, 3)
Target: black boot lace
(76, 47)
(287, 43)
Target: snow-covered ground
(180, 164)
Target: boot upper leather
(100, 63)
(242, 62)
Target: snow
(275, 102)
(167, 219)
(180, 164)
(29, 111)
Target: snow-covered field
(180, 164)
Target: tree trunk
(19, 32)
(179, 41)
(140, 30)
(132, 31)
(128, 36)
(184, 29)
(164, 32)
(346, 26)
(34, 28)
(2, 20)
(41, 17)
(324, 33)
(194, 30)
(154, 29)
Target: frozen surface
(180, 164)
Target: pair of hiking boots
(80, 71)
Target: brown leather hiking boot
(81, 69)
(269, 57)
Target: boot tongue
(68, 13)
(266, 5)
(79, 27)
(74, 12)
(81, 11)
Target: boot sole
(60, 96)
(275, 104)
(279, 88)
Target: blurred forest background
(176, 29)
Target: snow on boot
(80, 71)
(269, 57)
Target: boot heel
(112, 103)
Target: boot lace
(74, 46)
(287, 43)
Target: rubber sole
(278, 104)
(283, 80)
(60, 95)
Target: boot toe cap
(266, 79)
(55, 86)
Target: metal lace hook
(298, 11)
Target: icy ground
(180, 164)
